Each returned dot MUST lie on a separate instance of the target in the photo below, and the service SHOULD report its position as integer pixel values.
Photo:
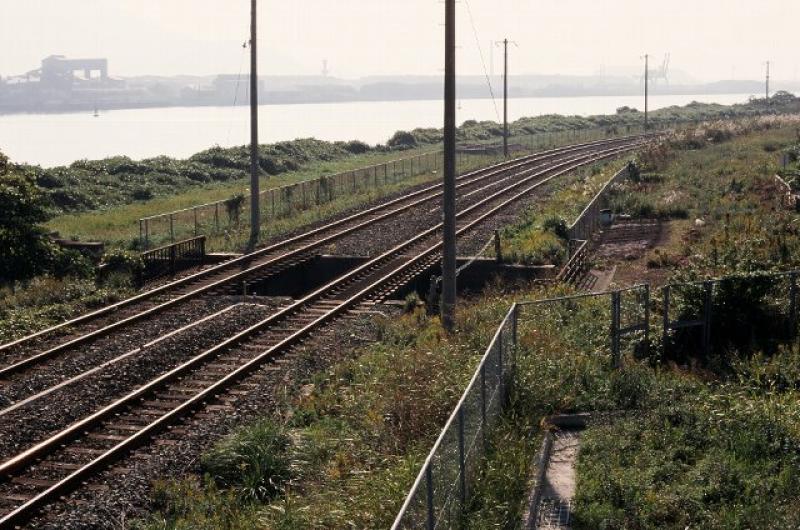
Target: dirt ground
(621, 253)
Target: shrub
(402, 140)
(254, 462)
(556, 225)
(123, 262)
(357, 147)
(142, 194)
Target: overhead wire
(236, 92)
(483, 61)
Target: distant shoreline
(81, 108)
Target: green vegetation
(46, 301)
(701, 444)
(542, 238)
(27, 251)
(715, 441)
(359, 432)
(104, 199)
(698, 456)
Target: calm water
(57, 139)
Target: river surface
(56, 139)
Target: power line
(483, 61)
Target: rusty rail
(532, 179)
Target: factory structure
(62, 84)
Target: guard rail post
(462, 461)
(708, 289)
(429, 486)
(792, 307)
(665, 337)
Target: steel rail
(46, 392)
(251, 256)
(13, 463)
(24, 512)
(479, 176)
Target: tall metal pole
(255, 213)
(646, 90)
(505, 99)
(449, 250)
(767, 82)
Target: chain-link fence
(441, 490)
(282, 202)
(219, 217)
(756, 312)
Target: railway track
(86, 378)
(50, 469)
(37, 349)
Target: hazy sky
(709, 39)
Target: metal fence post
(194, 211)
(172, 259)
(792, 307)
(500, 374)
(647, 318)
(462, 461)
(708, 288)
(429, 487)
(141, 232)
(172, 227)
(665, 337)
(483, 404)
(216, 216)
(615, 309)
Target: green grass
(120, 226)
(45, 302)
(103, 200)
(541, 238)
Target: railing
(759, 309)
(588, 221)
(276, 203)
(441, 490)
(576, 264)
(280, 202)
(169, 259)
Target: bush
(123, 262)
(253, 462)
(402, 140)
(556, 225)
(142, 194)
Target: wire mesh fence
(219, 217)
(282, 202)
(439, 494)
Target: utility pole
(449, 250)
(767, 82)
(505, 98)
(255, 213)
(646, 90)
